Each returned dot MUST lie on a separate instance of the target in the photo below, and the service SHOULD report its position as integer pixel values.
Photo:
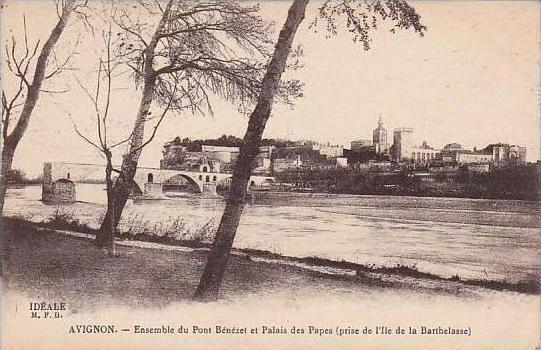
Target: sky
(472, 79)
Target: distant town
(369, 166)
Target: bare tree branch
(26, 62)
(86, 138)
(156, 126)
(64, 65)
(122, 141)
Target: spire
(380, 122)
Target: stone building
(328, 150)
(424, 154)
(263, 160)
(284, 164)
(473, 158)
(505, 154)
(404, 148)
(223, 154)
(449, 152)
(360, 145)
(379, 138)
(453, 153)
(402, 144)
(211, 158)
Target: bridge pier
(59, 191)
(209, 190)
(153, 190)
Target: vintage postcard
(342, 174)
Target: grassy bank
(399, 276)
(152, 287)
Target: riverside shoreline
(150, 285)
(52, 250)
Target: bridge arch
(196, 185)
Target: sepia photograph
(281, 174)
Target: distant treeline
(518, 182)
(19, 177)
(505, 183)
(228, 141)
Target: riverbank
(150, 285)
(399, 276)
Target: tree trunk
(217, 260)
(7, 160)
(11, 141)
(124, 183)
(105, 238)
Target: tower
(379, 138)
(402, 143)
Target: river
(471, 238)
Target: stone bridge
(147, 181)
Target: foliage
(172, 230)
(233, 141)
(16, 176)
(181, 53)
(137, 227)
(360, 17)
(195, 145)
(62, 219)
(513, 182)
(204, 49)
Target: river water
(484, 239)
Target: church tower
(379, 138)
